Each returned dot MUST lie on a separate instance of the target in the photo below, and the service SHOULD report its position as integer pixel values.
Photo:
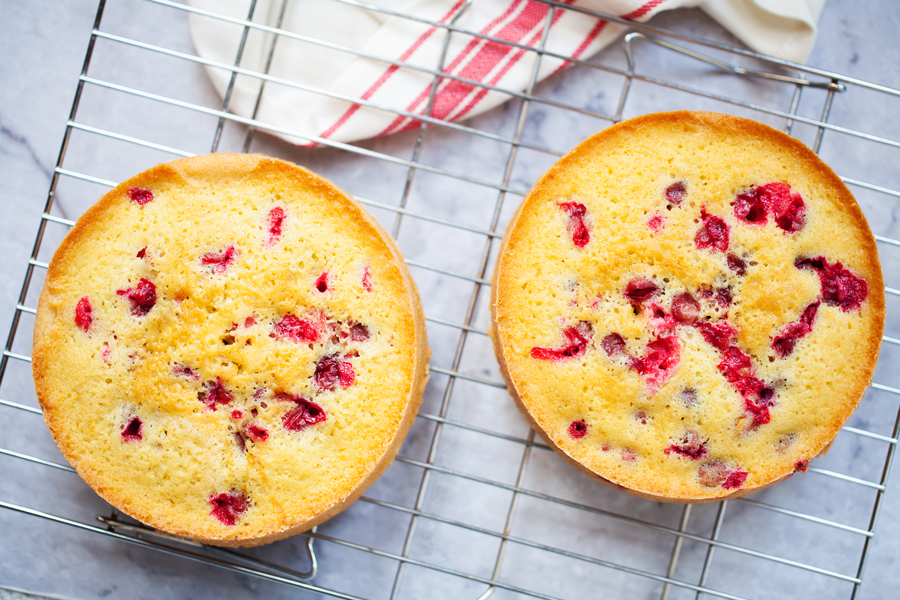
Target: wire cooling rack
(474, 506)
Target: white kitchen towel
(781, 28)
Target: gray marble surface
(42, 45)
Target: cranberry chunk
(840, 287)
(655, 223)
(613, 345)
(749, 207)
(305, 414)
(359, 332)
(659, 362)
(142, 252)
(685, 309)
(84, 314)
(713, 234)
(576, 225)
(133, 430)
(322, 282)
(640, 290)
(578, 338)
(275, 224)
(712, 474)
(367, 280)
(213, 393)
(219, 261)
(257, 432)
(676, 192)
(298, 330)
(332, 371)
(689, 446)
(735, 479)
(718, 335)
(228, 506)
(788, 208)
(142, 297)
(140, 196)
(736, 264)
(787, 338)
(578, 429)
(801, 466)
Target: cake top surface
(227, 346)
(689, 305)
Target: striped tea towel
(782, 28)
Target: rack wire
(541, 530)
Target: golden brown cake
(688, 306)
(229, 349)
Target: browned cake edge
(41, 355)
(716, 120)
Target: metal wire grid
(833, 84)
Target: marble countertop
(43, 43)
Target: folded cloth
(352, 39)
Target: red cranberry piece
(628, 455)
(367, 280)
(718, 335)
(213, 393)
(787, 338)
(613, 345)
(576, 225)
(257, 432)
(713, 234)
(331, 371)
(275, 224)
(305, 414)
(578, 338)
(759, 406)
(322, 282)
(249, 322)
(142, 252)
(736, 264)
(750, 207)
(140, 196)
(142, 297)
(219, 261)
(712, 474)
(735, 479)
(237, 414)
(788, 208)
(578, 429)
(640, 290)
(84, 314)
(133, 430)
(689, 446)
(655, 223)
(298, 330)
(659, 362)
(685, 309)
(676, 192)
(359, 332)
(641, 417)
(840, 287)
(801, 466)
(227, 507)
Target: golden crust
(607, 173)
(225, 197)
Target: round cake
(688, 306)
(228, 348)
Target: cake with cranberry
(688, 306)
(228, 348)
